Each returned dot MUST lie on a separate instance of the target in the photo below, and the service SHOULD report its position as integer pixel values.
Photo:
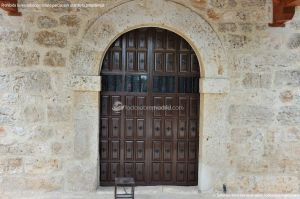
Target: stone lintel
(86, 83)
(214, 85)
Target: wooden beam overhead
(283, 11)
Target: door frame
(192, 72)
(88, 54)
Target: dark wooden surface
(154, 147)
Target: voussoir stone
(51, 39)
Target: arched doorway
(153, 69)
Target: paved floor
(138, 196)
(157, 192)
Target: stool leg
(115, 192)
(132, 192)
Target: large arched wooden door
(150, 67)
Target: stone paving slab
(100, 195)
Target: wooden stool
(124, 182)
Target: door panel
(157, 68)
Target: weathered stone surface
(51, 39)
(249, 141)
(19, 57)
(13, 36)
(85, 83)
(286, 96)
(24, 149)
(42, 133)
(237, 41)
(252, 3)
(35, 81)
(227, 27)
(79, 179)
(294, 41)
(218, 3)
(255, 80)
(34, 113)
(43, 166)
(86, 58)
(11, 166)
(58, 113)
(46, 22)
(289, 115)
(53, 183)
(62, 148)
(69, 20)
(54, 58)
(246, 27)
(287, 78)
(254, 115)
(2, 132)
(210, 85)
(7, 115)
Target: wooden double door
(149, 110)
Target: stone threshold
(156, 190)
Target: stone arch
(86, 60)
(163, 14)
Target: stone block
(227, 27)
(51, 39)
(85, 83)
(254, 115)
(53, 58)
(17, 149)
(46, 22)
(294, 41)
(69, 20)
(44, 183)
(286, 96)
(214, 85)
(42, 133)
(79, 178)
(2, 132)
(7, 115)
(20, 57)
(83, 61)
(217, 3)
(34, 113)
(237, 41)
(287, 78)
(42, 166)
(13, 36)
(289, 115)
(59, 113)
(256, 80)
(281, 184)
(11, 166)
(35, 81)
(252, 3)
(62, 148)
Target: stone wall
(46, 143)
